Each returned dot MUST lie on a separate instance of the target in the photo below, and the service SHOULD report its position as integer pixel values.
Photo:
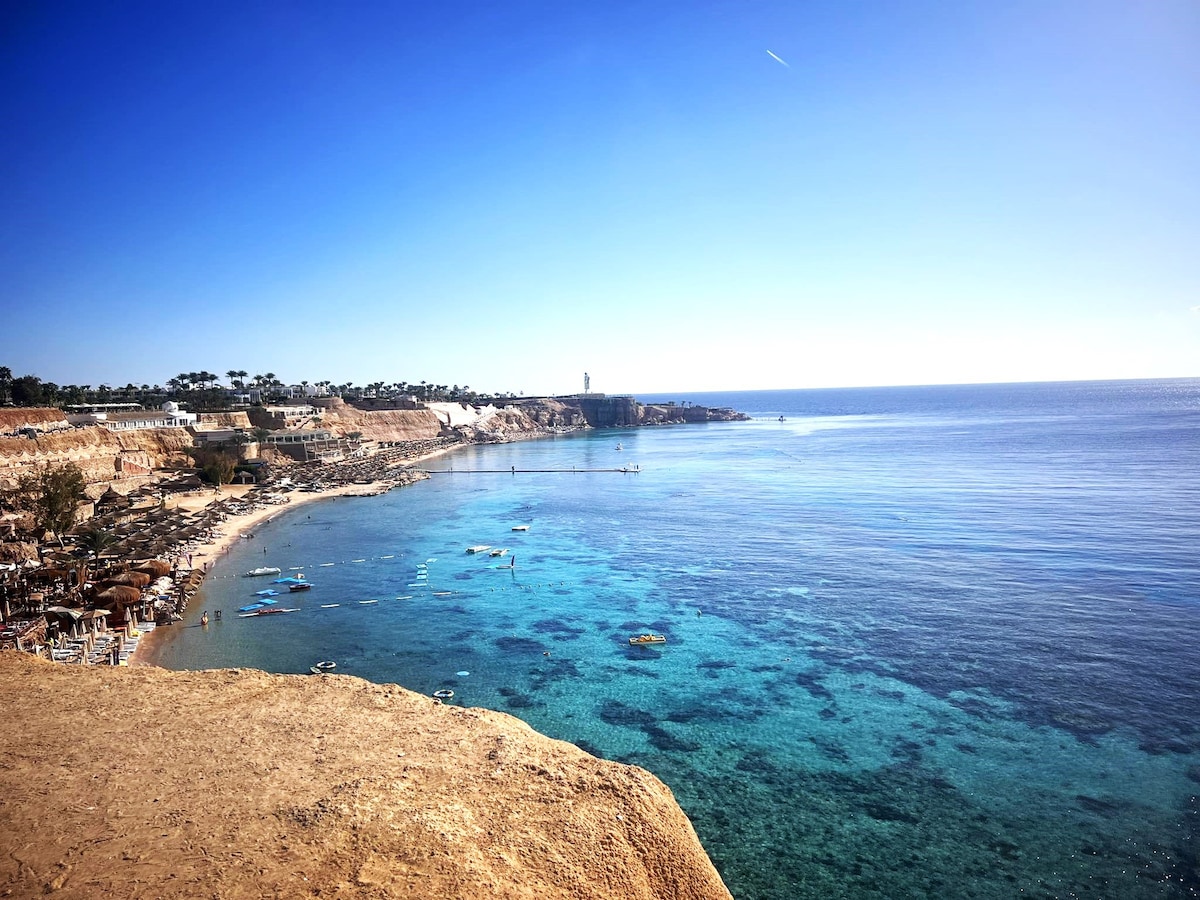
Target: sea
(920, 641)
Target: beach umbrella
(120, 595)
(153, 567)
(134, 579)
(17, 551)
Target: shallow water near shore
(920, 642)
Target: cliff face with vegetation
(143, 783)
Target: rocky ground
(144, 783)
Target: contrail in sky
(777, 59)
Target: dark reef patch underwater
(926, 642)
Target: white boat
(499, 551)
(520, 528)
(642, 640)
(262, 570)
(479, 548)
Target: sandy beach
(239, 526)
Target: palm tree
(232, 375)
(95, 540)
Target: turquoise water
(921, 642)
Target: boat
(324, 667)
(479, 548)
(302, 586)
(499, 551)
(520, 528)
(620, 447)
(258, 604)
(644, 639)
(262, 570)
(444, 694)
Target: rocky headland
(144, 783)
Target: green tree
(95, 540)
(219, 468)
(27, 391)
(53, 495)
(5, 383)
(216, 466)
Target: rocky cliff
(383, 425)
(144, 783)
(98, 452)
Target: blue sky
(508, 194)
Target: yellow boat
(646, 639)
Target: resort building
(170, 416)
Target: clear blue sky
(508, 194)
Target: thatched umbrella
(16, 551)
(121, 594)
(135, 579)
(156, 568)
(113, 500)
(192, 582)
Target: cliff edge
(234, 783)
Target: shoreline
(237, 527)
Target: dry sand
(145, 783)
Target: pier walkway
(627, 470)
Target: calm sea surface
(920, 641)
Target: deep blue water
(921, 641)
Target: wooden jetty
(627, 470)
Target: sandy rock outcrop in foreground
(233, 783)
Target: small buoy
(443, 694)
